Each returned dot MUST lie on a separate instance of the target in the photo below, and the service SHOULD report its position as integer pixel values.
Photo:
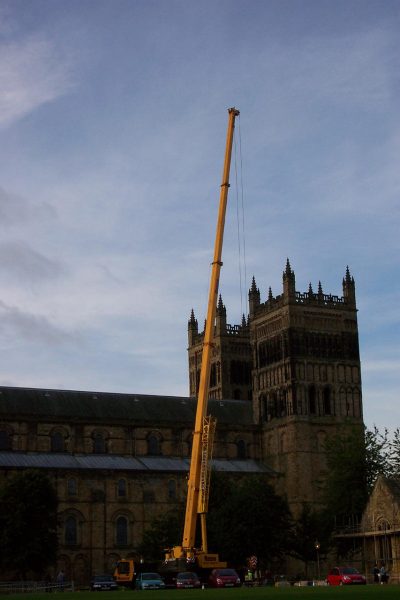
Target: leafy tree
(164, 532)
(346, 485)
(355, 459)
(309, 528)
(395, 453)
(247, 518)
(378, 455)
(28, 523)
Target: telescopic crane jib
(199, 474)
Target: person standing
(383, 575)
(60, 581)
(375, 572)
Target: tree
(355, 459)
(309, 528)
(164, 532)
(395, 453)
(378, 455)
(346, 488)
(28, 523)
(247, 518)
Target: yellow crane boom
(198, 483)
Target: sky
(113, 119)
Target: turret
(193, 328)
(289, 284)
(254, 297)
(349, 288)
(320, 292)
(220, 317)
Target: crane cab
(124, 573)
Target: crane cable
(240, 222)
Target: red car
(224, 578)
(187, 580)
(345, 576)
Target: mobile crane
(199, 474)
(178, 557)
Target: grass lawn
(262, 593)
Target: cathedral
(281, 382)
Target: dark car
(345, 576)
(149, 581)
(187, 579)
(224, 578)
(101, 583)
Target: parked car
(100, 583)
(149, 581)
(224, 578)
(187, 579)
(345, 576)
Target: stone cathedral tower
(303, 353)
(231, 365)
(306, 379)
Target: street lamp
(317, 546)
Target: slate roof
(44, 460)
(70, 405)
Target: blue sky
(112, 126)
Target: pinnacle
(348, 277)
(253, 285)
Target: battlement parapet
(325, 299)
(231, 330)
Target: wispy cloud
(20, 261)
(31, 74)
(16, 210)
(32, 328)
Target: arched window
(99, 444)
(57, 443)
(121, 531)
(71, 531)
(384, 542)
(357, 402)
(72, 487)
(241, 449)
(213, 375)
(172, 489)
(121, 487)
(312, 405)
(5, 440)
(327, 401)
(282, 404)
(383, 525)
(272, 406)
(264, 407)
(153, 445)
